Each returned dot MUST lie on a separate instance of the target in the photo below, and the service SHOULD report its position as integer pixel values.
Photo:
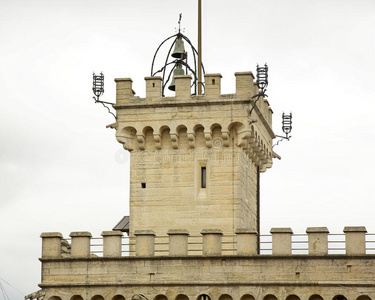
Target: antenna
(98, 89)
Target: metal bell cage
(179, 60)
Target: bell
(177, 71)
(179, 49)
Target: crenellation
(212, 240)
(153, 87)
(195, 163)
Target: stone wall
(244, 276)
(172, 138)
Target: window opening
(143, 184)
(203, 177)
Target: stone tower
(195, 160)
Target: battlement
(245, 87)
(211, 243)
(182, 274)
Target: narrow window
(213, 81)
(143, 184)
(203, 177)
(153, 84)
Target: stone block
(80, 243)
(112, 243)
(51, 244)
(212, 242)
(183, 83)
(178, 242)
(318, 240)
(153, 87)
(212, 85)
(144, 243)
(355, 240)
(281, 241)
(247, 242)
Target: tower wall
(171, 141)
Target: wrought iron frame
(163, 70)
(98, 89)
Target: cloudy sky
(62, 170)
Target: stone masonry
(172, 138)
(195, 167)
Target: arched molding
(182, 297)
(292, 297)
(160, 297)
(200, 139)
(164, 128)
(97, 297)
(76, 297)
(138, 297)
(316, 297)
(270, 297)
(182, 134)
(147, 129)
(118, 297)
(203, 297)
(198, 127)
(363, 297)
(247, 297)
(181, 127)
(225, 297)
(215, 126)
(146, 140)
(127, 137)
(339, 297)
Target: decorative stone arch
(181, 127)
(236, 125)
(146, 140)
(316, 297)
(225, 297)
(199, 130)
(167, 141)
(139, 297)
(182, 134)
(97, 297)
(127, 137)
(270, 297)
(339, 297)
(214, 126)
(182, 297)
(292, 297)
(76, 297)
(160, 297)
(118, 297)
(203, 297)
(54, 298)
(363, 297)
(217, 137)
(247, 297)
(240, 133)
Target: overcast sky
(62, 170)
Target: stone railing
(211, 243)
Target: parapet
(211, 243)
(245, 87)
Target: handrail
(299, 245)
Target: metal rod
(199, 47)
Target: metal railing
(336, 245)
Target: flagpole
(199, 47)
